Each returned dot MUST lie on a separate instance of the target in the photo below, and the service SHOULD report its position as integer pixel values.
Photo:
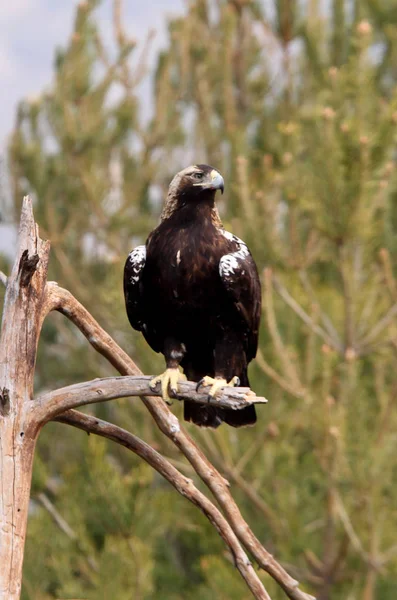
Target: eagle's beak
(217, 182)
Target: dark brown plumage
(194, 292)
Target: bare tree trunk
(18, 342)
(16, 459)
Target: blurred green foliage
(296, 104)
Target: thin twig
(3, 278)
(281, 350)
(288, 299)
(56, 516)
(390, 280)
(349, 529)
(266, 368)
(348, 300)
(379, 327)
(65, 527)
(256, 499)
(372, 298)
(328, 325)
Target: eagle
(193, 291)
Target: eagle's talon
(216, 383)
(175, 394)
(168, 379)
(199, 384)
(153, 384)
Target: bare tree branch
(29, 299)
(63, 301)
(182, 484)
(49, 405)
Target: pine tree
(298, 109)
(311, 167)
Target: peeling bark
(18, 344)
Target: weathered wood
(18, 344)
(182, 484)
(63, 301)
(29, 299)
(49, 405)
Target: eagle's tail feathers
(204, 416)
(211, 416)
(240, 418)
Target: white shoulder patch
(137, 259)
(229, 236)
(230, 263)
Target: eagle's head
(195, 184)
(196, 180)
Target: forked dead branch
(29, 299)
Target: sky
(31, 30)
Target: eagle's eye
(197, 175)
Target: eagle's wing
(241, 280)
(133, 291)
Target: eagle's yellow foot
(216, 384)
(170, 378)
